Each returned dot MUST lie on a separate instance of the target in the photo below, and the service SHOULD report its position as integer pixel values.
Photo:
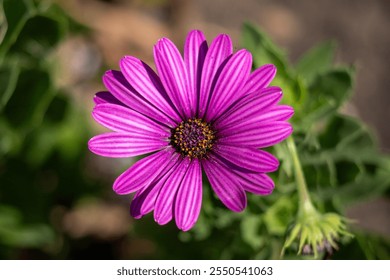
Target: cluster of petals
(211, 83)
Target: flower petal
(195, 50)
(220, 49)
(173, 74)
(257, 183)
(117, 84)
(102, 97)
(276, 113)
(248, 158)
(122, 119)
(225, 184)
(229, 83)
(144, 200)
(115, 144)
(146, 82)
(163, 210)
(189, 197)
(248, 107)
(259, 79)
(259, 135)
(143, 172)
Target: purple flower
(206, 111)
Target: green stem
(304, 196)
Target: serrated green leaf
(348, 167)
(343, 132)
(295, 94)
(326, 94)
(264, 51)
(317, 60)
(364, 188)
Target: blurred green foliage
(42, 133)
(43, 136)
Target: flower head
(204, 111)
(317, 232)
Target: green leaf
(33, 42)
(3, 23)
(347, 168)
(30, 28)
(326, 94)
(344, 132)
(295, 94)
(365, 245)
(9, 75)
(264, 51)
(317, 60)
(364, 188)
(16, 14)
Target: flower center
(193, 138)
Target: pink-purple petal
(220, 49)
(144, 200)
(119, 87)
(146, 82)
(163, 211)
(189, 197)
(195, 50)
(249, 107)
(103, 97)
(225, 184)
(173, 74)
(122, 119)
(118, 145)
(257, 183)
(229, 83)
(259, 79)
(248, 158)
(143, 172)
(275, 113)
(259, 135)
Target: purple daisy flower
(204, 112)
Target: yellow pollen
(193, 138)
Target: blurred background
(56, 200)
